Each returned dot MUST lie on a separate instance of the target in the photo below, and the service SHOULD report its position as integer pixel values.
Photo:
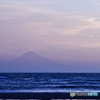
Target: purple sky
(62, 30)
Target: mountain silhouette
(32, 62)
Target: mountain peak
(31, 56)
(29, 53)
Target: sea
(49, 82)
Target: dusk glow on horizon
(61, 30)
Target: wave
(3, 77)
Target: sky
(62, 30)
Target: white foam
(51, 91)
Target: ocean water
(49, 82)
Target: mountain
(32, 62)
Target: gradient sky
(62, 30)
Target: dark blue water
(49, 82)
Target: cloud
(34, 25)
